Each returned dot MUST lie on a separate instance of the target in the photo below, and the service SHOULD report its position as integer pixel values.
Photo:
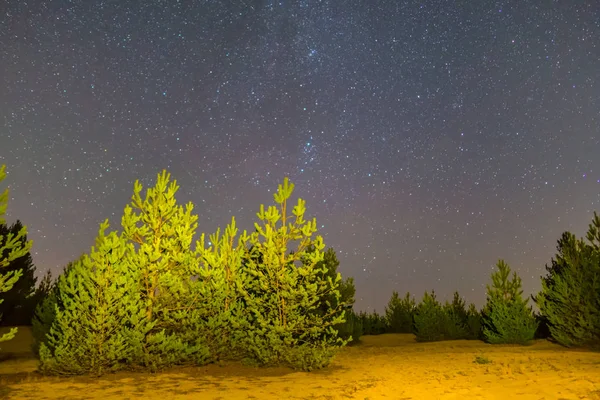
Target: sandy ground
(380, 367)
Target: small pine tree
(508, 318)
(399, 313)
(474, 323)
(429, 319)
(569, 301)
(89, 333)
(373, 323)
(455, 319)
(12, 247)
(282, 294)
(329, 265)
(220, 313)
(47, 306)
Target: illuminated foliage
(98, 306)
(12, 247)
(163, 265)
(283, 290)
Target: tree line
(143, 298)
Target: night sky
(429, 138)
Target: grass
(482, 360)
(391, 366)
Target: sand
(391, 366)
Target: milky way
(428, 138)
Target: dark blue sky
(429, 138)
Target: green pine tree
(429, 319)
(507, 317)
(221, 314)
(329, 265)
(161, 233)
(47, 306)
(12, 247)
(89, 333)
(474, 323)
(399, 313)
(570, 297)
(455, 318)
(283, 292)
(18, 304)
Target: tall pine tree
(284, 291)
(161, 232)
(570, 297)
(12, 247)
(507, 317)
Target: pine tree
(100, 304)
(474, 323)
(570, 297)
(373, 323)
(162, 232)
(283, 292)
(47, 306)
(18, 304)
(329, 265)
(220, 317)
(507, 317)
(399, 313)
(12, 247)
(455, 318)
(429, 319)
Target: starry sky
(429, 138)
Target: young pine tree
(47, 305)
(100, 303)
(455, 318)
(399, 313)
(570, 298)
(161, 233)
(283, 292)
(429, 319)
(474, 323)
(507, 317)
(329, 265)
(12, 247)
(221, 314)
